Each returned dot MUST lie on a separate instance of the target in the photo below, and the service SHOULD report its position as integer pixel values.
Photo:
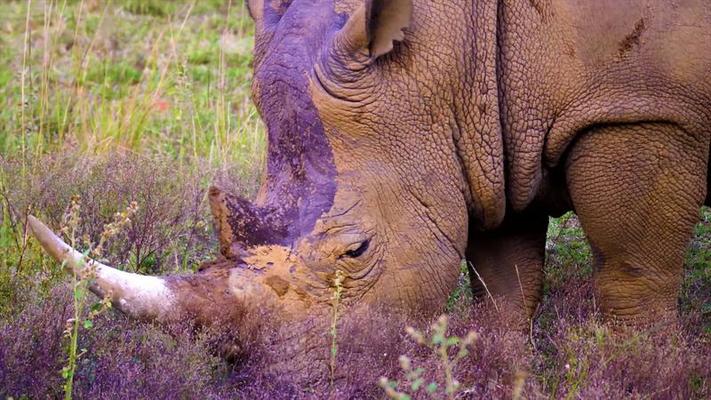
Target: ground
(107, 103)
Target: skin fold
(404, 136)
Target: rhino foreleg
(637, 189)
(509, 261)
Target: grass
(148, 102)
(158, 78)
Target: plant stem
(338, 288)
(74, 340)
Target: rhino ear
(375, 25)
(267, 13)
(386, 20)
(255, 9)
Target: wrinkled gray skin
(394, 154)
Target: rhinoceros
(405, 136)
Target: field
(105, 103)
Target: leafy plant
(449, 351)
(81, 279)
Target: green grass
(696, 287)
(155, 77)
(568, 253)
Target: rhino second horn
(138, 296)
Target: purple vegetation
(572, 354)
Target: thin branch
(525, 309)
(485, 287)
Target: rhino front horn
(138, 296)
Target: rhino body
(405, 136)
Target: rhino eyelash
(358, 251)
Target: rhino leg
(509, 261)
(637, 190)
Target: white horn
(138, 296)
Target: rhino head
(364, 189)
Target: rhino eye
(357, 252)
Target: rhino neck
(476, 125)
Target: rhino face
(363, 193)
(359, 183)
